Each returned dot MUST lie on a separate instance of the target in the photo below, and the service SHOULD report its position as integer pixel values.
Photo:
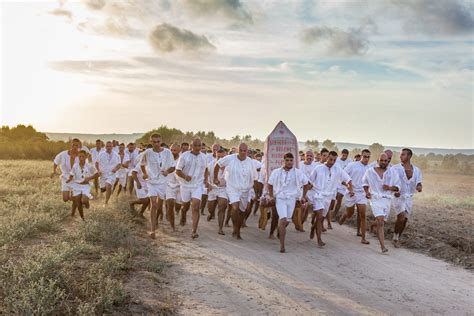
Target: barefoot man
(217, 194)
(192, 172)
(307, 167)
(342, 161)
(410, 182)
(325, 179)
(107, 164)
(140, 186)
(356, 171)
(380, 182)
(93, 159)
(284, 186)
(240, 177)
(65, 160)
(173, 197)
(156, 164)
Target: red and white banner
(280, 141)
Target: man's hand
(419, 187)
(397, 194)
(145, 176)
(217, 182)
(304, 200)
(188, 178)
(139, 185)
(386, 187)
(164, 173)
(208, 186)
(351, 193)
(53, 174)
(368, 195)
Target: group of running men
(233, 182)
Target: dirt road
(219, 275)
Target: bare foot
(282, 250)
(365, 242)
(227, 225)
(194, 235)
(152, 235)
(209, 218)
(321, 243)
(221, 233)
(239, 238)
(359, 234)
(329, 227)
(271, 237)
(324, 230)
(384, 250)
(244, 225)
(396, 243)
(311, 234)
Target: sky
(397, 72)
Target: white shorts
(403, 204)
(217, 193)
(322, 203)
(358, 198)
(143, 192)
(158, 190)
(122, 177)
(173, 194)
(285, 208)
(84, 189)
(65, 187)
(380, 207)
(107, 179)
(188, 193)
(238, 196)
(204, 189)
(342, 190)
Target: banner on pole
(280, 141)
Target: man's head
(383, 161)
(389, 154)
(301, 154)
(309, 157)
(155, 140)
(317, 157)
(331, 158)
(220, 153)
(108, 146)
(75, 145)
(243, 150)
(175, 150)
(344, 154)
(365, 156)
(98, 144)
(196, 146)
(121, 148)
(184, 147)
(357, 157)
(82, 155)
(405, 155)
(324, 155)
(114, 143)
(289, 160)
(131, 147)
(233, 150)
(258, 156)
(215, 148)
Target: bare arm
(135, 178)
(216, 174)
(270, 191)
(367, 193)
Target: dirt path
(218, 275)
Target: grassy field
(55, 264)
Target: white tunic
(407, 186)
(287, 184)
(308, 169)
(107, 161)
(194, 166)
(356, 171)
(343, 163)
(325, 180)
(132, 155)
(239, 174)
(372, 180)
(95, 153)
(220, 175)
(63, 160)
(79, 173)
(156, 163)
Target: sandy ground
(219, 275)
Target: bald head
(243, 151)
(389, 154)
(383, 161)
(309, 157)
(196, 146)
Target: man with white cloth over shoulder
(240, 176)
(380, 183)
(284, 186)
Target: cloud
(231, 9)
(61, 12)
(95, 4)
(344, 43)
(112, 26)
(168, 38)
(91, 66)
(435, 17)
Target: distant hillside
(91, 138)
(126, 138)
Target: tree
(330, 145)
(312, 144)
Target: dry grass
(52, 264)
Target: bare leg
(257, 205)
(358, 223)
(319, 227)
(203, 203)
(380, 233)
(74, 205)
(170, 212)
(108, 193)
(235, 220)
(246, 214)
(363, 222)
(282, 233)
(328, 217)
(337, 207)
(211, 207)
(145, 204)
(184, 211)
(313, 225)
(80, 206)
(85, 201)
(96, 187)
(153, 215)
(274, 222)
(348, 214)
(222, 205)
(195, 205)
(229, 215)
